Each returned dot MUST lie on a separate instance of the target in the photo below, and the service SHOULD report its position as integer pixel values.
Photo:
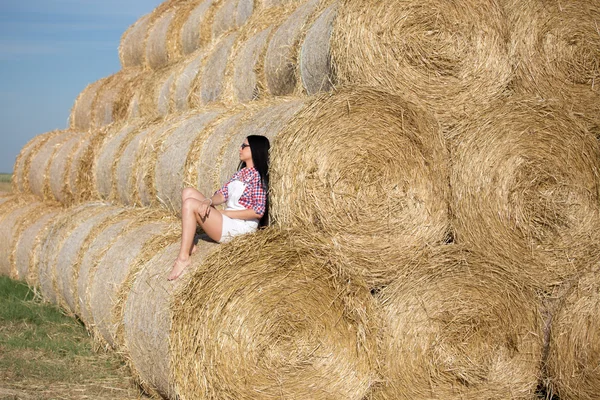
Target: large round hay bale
(9, 222)
(147, 318)
(99, 241)
(185, 79)
(20, 181)
(282, 52)
(111, 102)
(81, 183)
(38, 173)
(316, 70)
(367, 169)
(459, 324)
(525, 179)
(454, 56)
(246, 82)
(164, 95)
(106, 157)
(213, 72)
(51, 242)
(32, 226)
(133, 41)
(574, 346)
(172, 154)
(67, 262)
(193, 27)
(59, 169)
(150, 92)
(157, 55)
(268, 121)
(111, 272)
(263, 317)
(231, 15)
(81, 113)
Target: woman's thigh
(211, 224)
(191, 193)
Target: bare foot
(178, 268)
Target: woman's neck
(249, 164)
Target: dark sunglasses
(244, 145)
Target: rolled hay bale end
(231, 15)
(192, 28)
(59, 169)
(454, 56)
(460, 324)
(9, 224)
(20, 183)
(281, 57)
(164, 95)
(371, 174)
(132, 47)
(111, 273)
(38, 171)
(150, 92)
(81, 170)
(244, 11)
(574, 346)
(67, 260)
(169, 173)
(184, 81)
(316, 70)
(81, 114)
(32, 227)
(113, 97)
(147, 318)
(157, 55)
(246, 83)
(265, 317)
(525, 177)
(213, 72)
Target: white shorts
(234, 227)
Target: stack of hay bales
(434, 212)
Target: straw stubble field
(5, 180)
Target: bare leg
(187, 193)
(192, 212)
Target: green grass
(44, 352)
(5, 177)
(5, 182)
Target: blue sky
(49, 51)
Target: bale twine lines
(459, 324)
(525, 176)
(367, 169)
(265, 318)
(451, 55)
(574, 352)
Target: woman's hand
(205, 208)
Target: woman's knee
(191, 193)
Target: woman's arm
(217, 199)
(241, 214)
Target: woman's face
(245, 152)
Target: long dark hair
(259, 147)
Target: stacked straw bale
(264, 317)
(368, 170)
(525, 180)
(81, 113)
(460, 324)
(453, 56)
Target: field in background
(5, 182)
(45, 354)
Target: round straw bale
(184, 81)
(224, 19)
(150, 92)
(100, 240)
(81, 113)
(9, 222)
(32, 226)
(111, 272)
(147, 318)
(24, 158)
(459, 324)
(133, 42)
(245, 78)
(213, 72)
(525, 178)
(67, 265)
(243, 12)
(265, 318)
(50, 244)
(452, 55)
(59, 169)
(171, 158)
(281, 57)
(192, 28)
(157, 55)
(40, 163)
(315, 55)
(574, 352)
(268, 121)
(110, 104)
(164, 95)
(367, 169)
(106, 157)
(81, 170)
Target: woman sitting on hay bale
(245, 195)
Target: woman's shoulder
(249, 173)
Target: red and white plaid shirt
(254, 196)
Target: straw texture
(9, 222)
(40, 162)
(131, 49)
(192, 28)
(315, 55)
(81, 113)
